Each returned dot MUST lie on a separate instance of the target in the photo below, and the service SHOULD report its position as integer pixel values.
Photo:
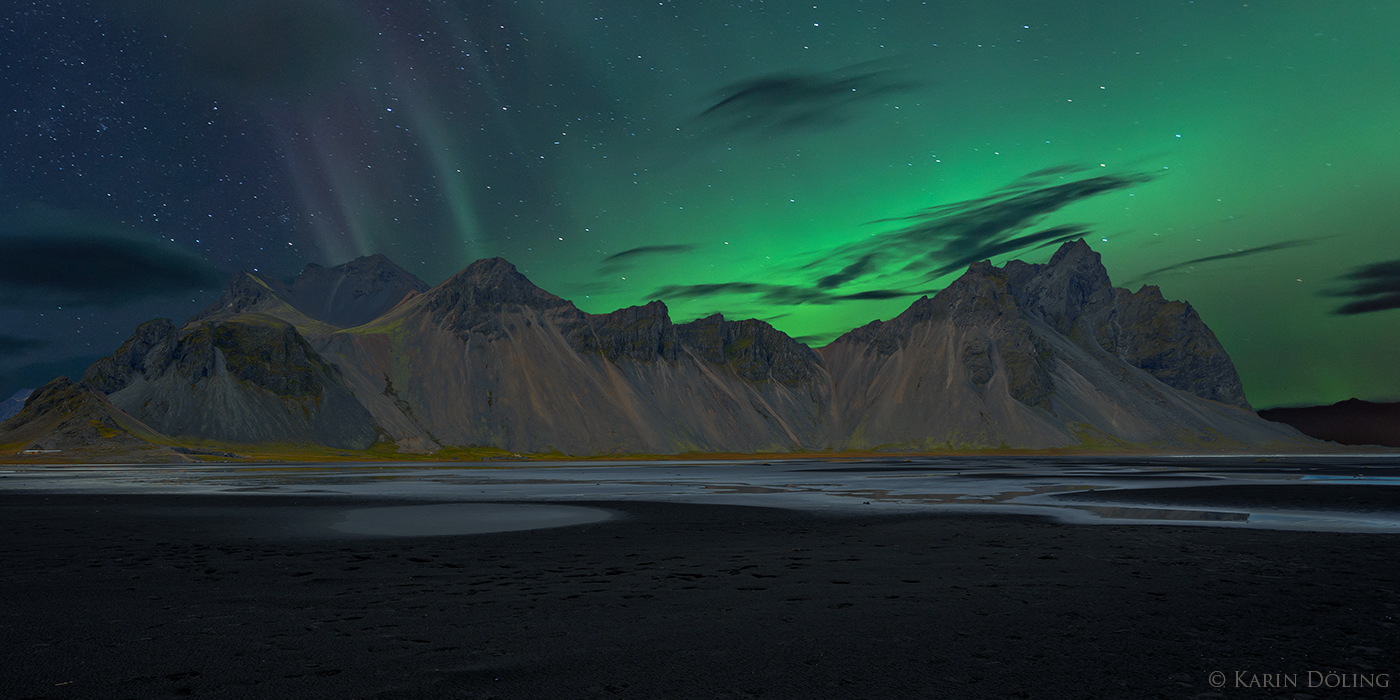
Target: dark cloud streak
(616, 258)
(962, 234)
(1376, 288)
(848, 273)
(947, 238)
(784, 103)
(69, 259)
(780, 294)
(11, 345)
(1247, 252)
(934, 242)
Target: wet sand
(1316, 497)
(254, 596)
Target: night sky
(816, 165)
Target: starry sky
(814, 164)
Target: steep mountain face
(1166, 339)
(963, 369)
(1040, 356)
(487, 358)
(754, 350)
(322, 299)
(243, 378)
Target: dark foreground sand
(218, 596)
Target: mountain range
(1024, 356)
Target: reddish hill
(1350, 422)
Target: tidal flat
(920, 578)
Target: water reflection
(1167, 491)
(463, 519)
(1129, 513)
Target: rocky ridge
(1018, 356)
(1025, 356)
(321, 299)
(1166, 339)
(243, 378)
(64, 417)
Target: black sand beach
(249, 597)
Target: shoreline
(217, 596)
(236, 454)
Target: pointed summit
(1167, 339)
(343, 296)
(247, 291)
(1059, 290)
(1072, 294)
(476, 296)
(1075, 250)
(494, 281)
(352, 293)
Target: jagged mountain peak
(1150, 291)
(343, 296)
(371, 272)
(754, 349)
(643, 333)
(475, 298)
(978, 296)
(247, 290)
(1075, 251)
(248, 377)
(1072, 294)
(352, 293)
(497, 281)
(1058, 291)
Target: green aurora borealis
(559, 134)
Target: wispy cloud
(947, 238)
(631, 256)
(1375, 287)
(1247, 252)
(848, 273)
(48, 254)
(778, 294)
(783, 102)
(914, 249)
(12, 345)
(633, 253)
(920, 247)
